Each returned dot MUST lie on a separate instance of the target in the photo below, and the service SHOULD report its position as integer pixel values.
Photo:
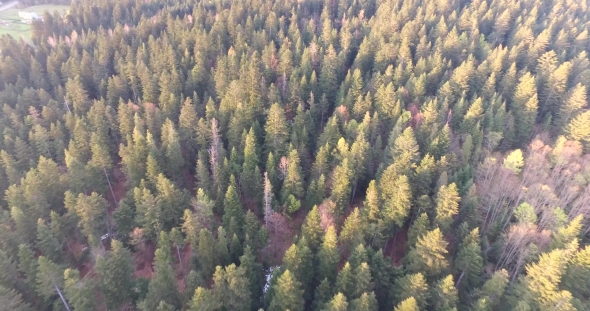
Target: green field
(18, 29)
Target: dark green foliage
(115, 272)
(375, 138)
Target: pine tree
(250, 177)
(92, 211)
(293, 181)
(445, 294)
(205, 252)
(276, 130)
(493, 289)
(221, 248)
(408, 304)
(27, 264)
(81, 293)
(395, 194)
(115, 271)
(420, 227)
(413, 285)
(202, 300)
(572, 106)
(447, 206)
(524, 106)
(469, 261)
(12, 300)
(253, 271)
(542, 281)
(162, 285)
(429, 254)
(579, 129)
(233, 216)
(338, 303)
(50, 279)
(341, 187)
(235, 291)
(312, 229)
(353, 231)
(288, 294)
(345, 281)
(328, 256)
(47, 243)
(366, 302)
(322, 295)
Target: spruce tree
(428, 255)
(447, 206)
(288, 294)
(579, 129)
(115, 271)
(524, 106)
(312, 229)
(408, 304)
(445, 294)
(413, 286)
(81, 293)
(162, 285)
(366, 302)
(276, 130)
(233, 216)
(338, 303)
(328, 256)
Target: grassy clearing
(15, 26)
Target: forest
(317, 155)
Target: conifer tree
(162, 285)
(353, 231)
(27, 264)
(445, 294)
(396, 195)
(231, 288)
(408, 304)
(233, 216)
(429, 254)
(366, 302)
(418, 229)
(293, 181)
(524, 106)
(50, 280)
(312, 230)
(47, 243)
(447, 205)
(328, 256)
(206, 251)
(253, 271)
(115, 271)
(92, 212)
(80, 292)
(578, 129)
(572, 106)
(338, 303)
(469, 261)
(287, 294)
(341, 187)
(12, 300)
(345, 281)
(277, 131)
(221, 247)
(413, 285)
(202, 300)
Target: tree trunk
(62, 297)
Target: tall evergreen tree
(115, 271)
